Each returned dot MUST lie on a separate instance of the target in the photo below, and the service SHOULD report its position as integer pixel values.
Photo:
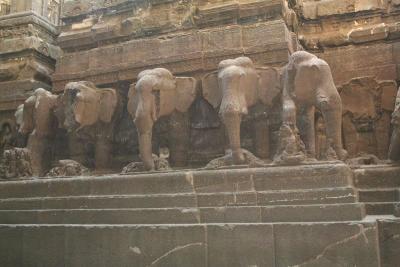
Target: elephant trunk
(145, 149)
(394, 148)
(232, 124)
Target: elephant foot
(342, 154)
(238, 157)
(229, 160)
(160, 164)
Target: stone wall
(109, 42)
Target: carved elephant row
(303, 84)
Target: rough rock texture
(160, 164)
(367, 125)
(227, 160)
(68, 168)
(16, 163)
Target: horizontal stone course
(245, 214)
(195, 50)
(276, 245)
(201, 181)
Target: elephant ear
(249, 83)
(269, 85)
(185, 93)
(211, 92)
(27, 115)
(133, 100)
(108, 104)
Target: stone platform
(312, 215)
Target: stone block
(305, 177)
(240, 245)
(218, 13)
(369, 33)
(11, 246)
(334, 244)
(389, 242)
(230, 215)
(312, 213)
(377, 177)
(43, 246)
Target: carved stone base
(68, 167)
(291, 150)
(160, 164)
(227, 160)
(16, 163)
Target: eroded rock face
(16, 163)
(394, 148)
(68, 168)
(160, 164)
(367, 107)
(228, 160)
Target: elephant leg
(331, 109)
(77, 149)
(232, 121)
(40, 154)
(102, 153)
(394, 148)
(144, 126)
(288, 112)
(305, 124)
(179, 138)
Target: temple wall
(50, 43)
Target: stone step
(278, 197)
(196, 245)
(384, 176)
(253, 214)
(311, 176)
(379, 195)
(383, 208)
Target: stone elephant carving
(89, 114)
(39, 122)
(394, 148)
(308, 84)
(237, 86)
(157, 93)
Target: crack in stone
(178, 248)
(340, 242)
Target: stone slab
(251, 198)
(245, 214)
(313, 244)
(377, 177)
(389, 242)
(332, 245)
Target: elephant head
(91, 113)
(394, 148)
(37, 113)
(38, 121)
(236, 86)
(157, 93)
(86, 105)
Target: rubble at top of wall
(330, 23)
(89, 24)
